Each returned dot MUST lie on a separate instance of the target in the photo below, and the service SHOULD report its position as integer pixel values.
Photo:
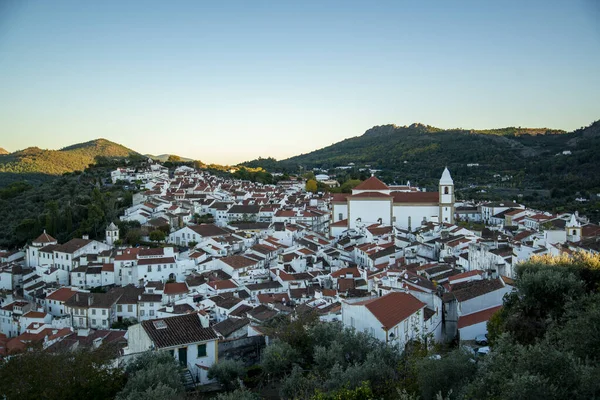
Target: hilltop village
(224, 257)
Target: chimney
(169, 309)
(203, 320)
(90, 299)
(85, 237)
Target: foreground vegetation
(545, 345)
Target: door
(183, 356)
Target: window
(406, 326)
(352, 322)
(93, 311)
(119, 308)
(130, 308)
(151, 313)
(103, 312)
(446, 190)
(159, 268)
(202, 350)
(340, 216)
(149, 268)
(141, 313)
(80, 321)
(93, 322)
(104, 322)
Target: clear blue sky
(228, 81)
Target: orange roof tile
(373, 183)
(392, 308)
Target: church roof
(369, 194)
(45, 238)
(112, 227)
(446, 178)
(416, 197)
(372, 184)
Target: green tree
(157, 236)
(347, 186)
(227, 373)
(152, 375)
(65, 375)
(447, 375)
(238, 394)
(278, 358)
(134, 236)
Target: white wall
(416, 214)
(369, 211)
(338, 209)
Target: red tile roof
(175, 288)
(372, 184)
(463, 275)
(35, 314)
(237, 262)
(62, 294)
(343, 223)
(476, 317)
(392, 308)
(343, 271)
(416, 197)
(220, 285)
(44, 238)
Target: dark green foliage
(310, 356)
(539, 371)
(68, 206)
(157, 236)
(238, 394)
(446, 376)
(227, 373)
(278, 359)
(362, 392)
(153, 375)
(69, 375)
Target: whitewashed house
(188, 338)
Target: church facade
(405, 207)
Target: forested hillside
(512, 158)
(68, 206)
(35, 164)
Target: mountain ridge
(528, 158)
(76, 157)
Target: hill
(34, 163)
(419, 152)
(165, 157)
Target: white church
(405, 207)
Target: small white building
(188, 338)
(395, 318)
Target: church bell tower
(446, 198)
